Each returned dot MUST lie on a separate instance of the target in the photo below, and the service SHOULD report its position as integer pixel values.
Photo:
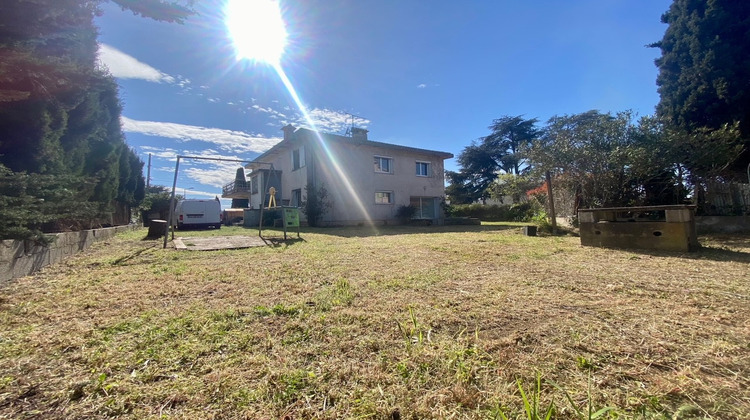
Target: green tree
(156, 200)
(703, 80)
(509, 135)
(315, 203)
(482, 161)
(461, 188)
(60, 114)
(655, 163)
(33, 203)
(479, 166)
(513, 186)
(605, 159)
(167, 11)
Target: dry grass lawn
(433, 322)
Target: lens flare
(331, 157)
(259, 33)
(257, 29)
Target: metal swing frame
(172, 201)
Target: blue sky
(427, 74)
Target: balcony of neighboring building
(236, 189)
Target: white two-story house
(367, 181)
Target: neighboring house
(367, 181)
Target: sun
(257, 29)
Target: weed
(279, 310)
(584, 363)
(591, 413)
(466, 360)
(412, 331)
(101, 386)
(531, 403)
(340, 294)
(289, 386)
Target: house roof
(299, 133)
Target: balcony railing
(235, 188)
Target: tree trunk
(552, 216)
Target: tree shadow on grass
(719, 254)
(276, 235)
(126, 258)
(713, 248)
(280, 242)
(723, 247)
(386, 230)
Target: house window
(254, 185)
(384, 197)
(383, 164)
(425, 207)
(297, 197)
(298, 158)
(423, 168)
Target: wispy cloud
(326, 120)
(272, 113)
(207, 194)
(331, 121)
(421, 86)
(160, 152)
(216, 175)
(227, 140)
(124, 66)
(194, 171)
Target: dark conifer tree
(61, 142)
(703, 78)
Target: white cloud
(325, 120)
(211, 172)
(272, 113)
(124, 66)
(218, 175)
(206, 172)
(207, 194)
(160, 152)
(228, 140)
(330, 121)
(421, 86)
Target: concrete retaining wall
(21, 258)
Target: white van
(198, 214)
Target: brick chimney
(288, 131)
(359, 134)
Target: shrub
(34, 204)
(315, 204)
(522, 212)
(405, 213)
(157, 200)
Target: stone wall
(21, 258)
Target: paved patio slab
(214, 243)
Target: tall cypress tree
(60, 134)
(704, 72)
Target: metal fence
(724, 199)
